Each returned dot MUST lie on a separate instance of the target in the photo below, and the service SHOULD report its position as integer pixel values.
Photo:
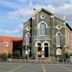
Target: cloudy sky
(14, 12)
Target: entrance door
(39, 50)
(46, 50)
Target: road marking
(43, 68)
(16, 68)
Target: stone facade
(45, 45)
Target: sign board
(58, 51)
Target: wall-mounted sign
(58, 51)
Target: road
(34, 67)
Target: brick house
(45, 34)
(10, 44)
(68, 38)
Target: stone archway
(46, 50)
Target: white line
(43, 68)
(16, 68)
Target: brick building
(10, 44)
(68, 38)
(45, 34)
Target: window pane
(27, 40)
(42, 29)
(58, 39)
(5, 44)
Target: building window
(39, 50)
(39, 47)
(58, 27)
(42, 29)
(5, 44)
(27, 37)
(42, 16)
(58, 39)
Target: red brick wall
(4, 49)
(68, 39)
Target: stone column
(43, 52)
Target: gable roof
(6, 38)
(45, 10)
(42, 9)
(68, 26)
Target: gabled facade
(45, 34)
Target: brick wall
(68, 39)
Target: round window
(58, 27)
(42, 16)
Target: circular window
(58, 27)
(28, 28)
(42, 16)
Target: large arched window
(58, 39)
(27, 37)
(42, 29)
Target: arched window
(46, 50)
(46, 44)
(42, 29)
(39, 47)
(58, 39)
(27, 37)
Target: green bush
(16, 54)
(3, 56)
(66, 54)
(9, 55)
(70, 54)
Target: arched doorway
(46, 50)
(39, 49)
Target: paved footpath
(34, 67)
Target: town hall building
(46, 35)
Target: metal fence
(50, 61)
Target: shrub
(70, 54)
(9, 55)
(3, 56)
(66, 54)
(16, 54)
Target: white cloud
(66, 10)
(58, 7)
(21, 14)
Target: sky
(13, 13)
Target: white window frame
(5, 44)
(39, 27)
(42, 16)
(57, 27)
(56, 36)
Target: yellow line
(43, 68)
(16, 68)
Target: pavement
(34, 67)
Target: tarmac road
(34, 67)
